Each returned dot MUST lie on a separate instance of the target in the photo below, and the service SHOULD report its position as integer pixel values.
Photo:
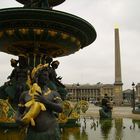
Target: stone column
(118, 78)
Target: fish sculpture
(34, 106)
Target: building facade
(89, 92)
(138, 91)
(96, 92)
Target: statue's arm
(54, 105)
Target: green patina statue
(11, 90)
(106, 110)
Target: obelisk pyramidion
(118, 78)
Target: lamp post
(77, 89)
(133, 96)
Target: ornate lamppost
(133, 96)
(77, 91)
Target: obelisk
(118, 78)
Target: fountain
(104, 129)
(35, 33)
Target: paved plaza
(116, 112)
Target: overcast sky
(95, 63)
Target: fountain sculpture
(36, 34)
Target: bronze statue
(106, 111)
(11, 89)
(37, 31)
(43, 124)
(5, 90)
(14, 63)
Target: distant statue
(41, 121)
(105, 103)
(106, 111)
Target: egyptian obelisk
(118, 78)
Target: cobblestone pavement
(116, 112)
